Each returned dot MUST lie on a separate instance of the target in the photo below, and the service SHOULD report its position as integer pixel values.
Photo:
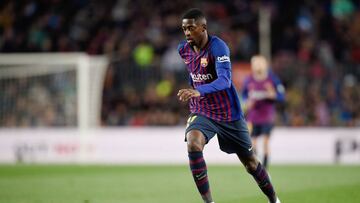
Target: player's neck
(202, 44)
(260, 77)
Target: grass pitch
(173, 184)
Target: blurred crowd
(315, 51)
(38, 101)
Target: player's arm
(270, 92)
(245, 90)
(249, 103)
(279, 88)
(222, 82)
(223, 70)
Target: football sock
(263, 180)
(199, 172)
(265, 162)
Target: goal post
(78, 73)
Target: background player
(214, 105)
(260, 91)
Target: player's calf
(256, 169)
(263, 180)
(199, 172)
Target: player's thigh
(256, 131)
(199, 125)
(195, 140)
(234, 138)
(263, 129)
(267, 128)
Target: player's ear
(204, 27)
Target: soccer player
(260, 91)
(214, 106)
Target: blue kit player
(260, 91)
(214, 106)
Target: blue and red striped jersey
(263, 110)
(210, 74)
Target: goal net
(50, 90)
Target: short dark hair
(193, 13)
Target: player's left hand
(185, 94)
(271, 92)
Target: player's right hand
(249, 104)
(185, 94)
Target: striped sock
(199, 172)
(263, 180)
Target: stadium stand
(315, 51)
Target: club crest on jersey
(203, 62)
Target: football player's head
(194, 26)
(259, 67)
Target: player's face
(259, 67)
(193, 30)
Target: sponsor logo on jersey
(222, 59)
(201, 77)
(258, 94)
(204, 62)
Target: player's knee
(195, 141)
(194, 145)
(251, 164)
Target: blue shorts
(261, 129)
(233, 136)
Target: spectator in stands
(304, 52)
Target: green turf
(172, 184)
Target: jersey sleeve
(245, 89)
(221, 54)
(279, 87)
